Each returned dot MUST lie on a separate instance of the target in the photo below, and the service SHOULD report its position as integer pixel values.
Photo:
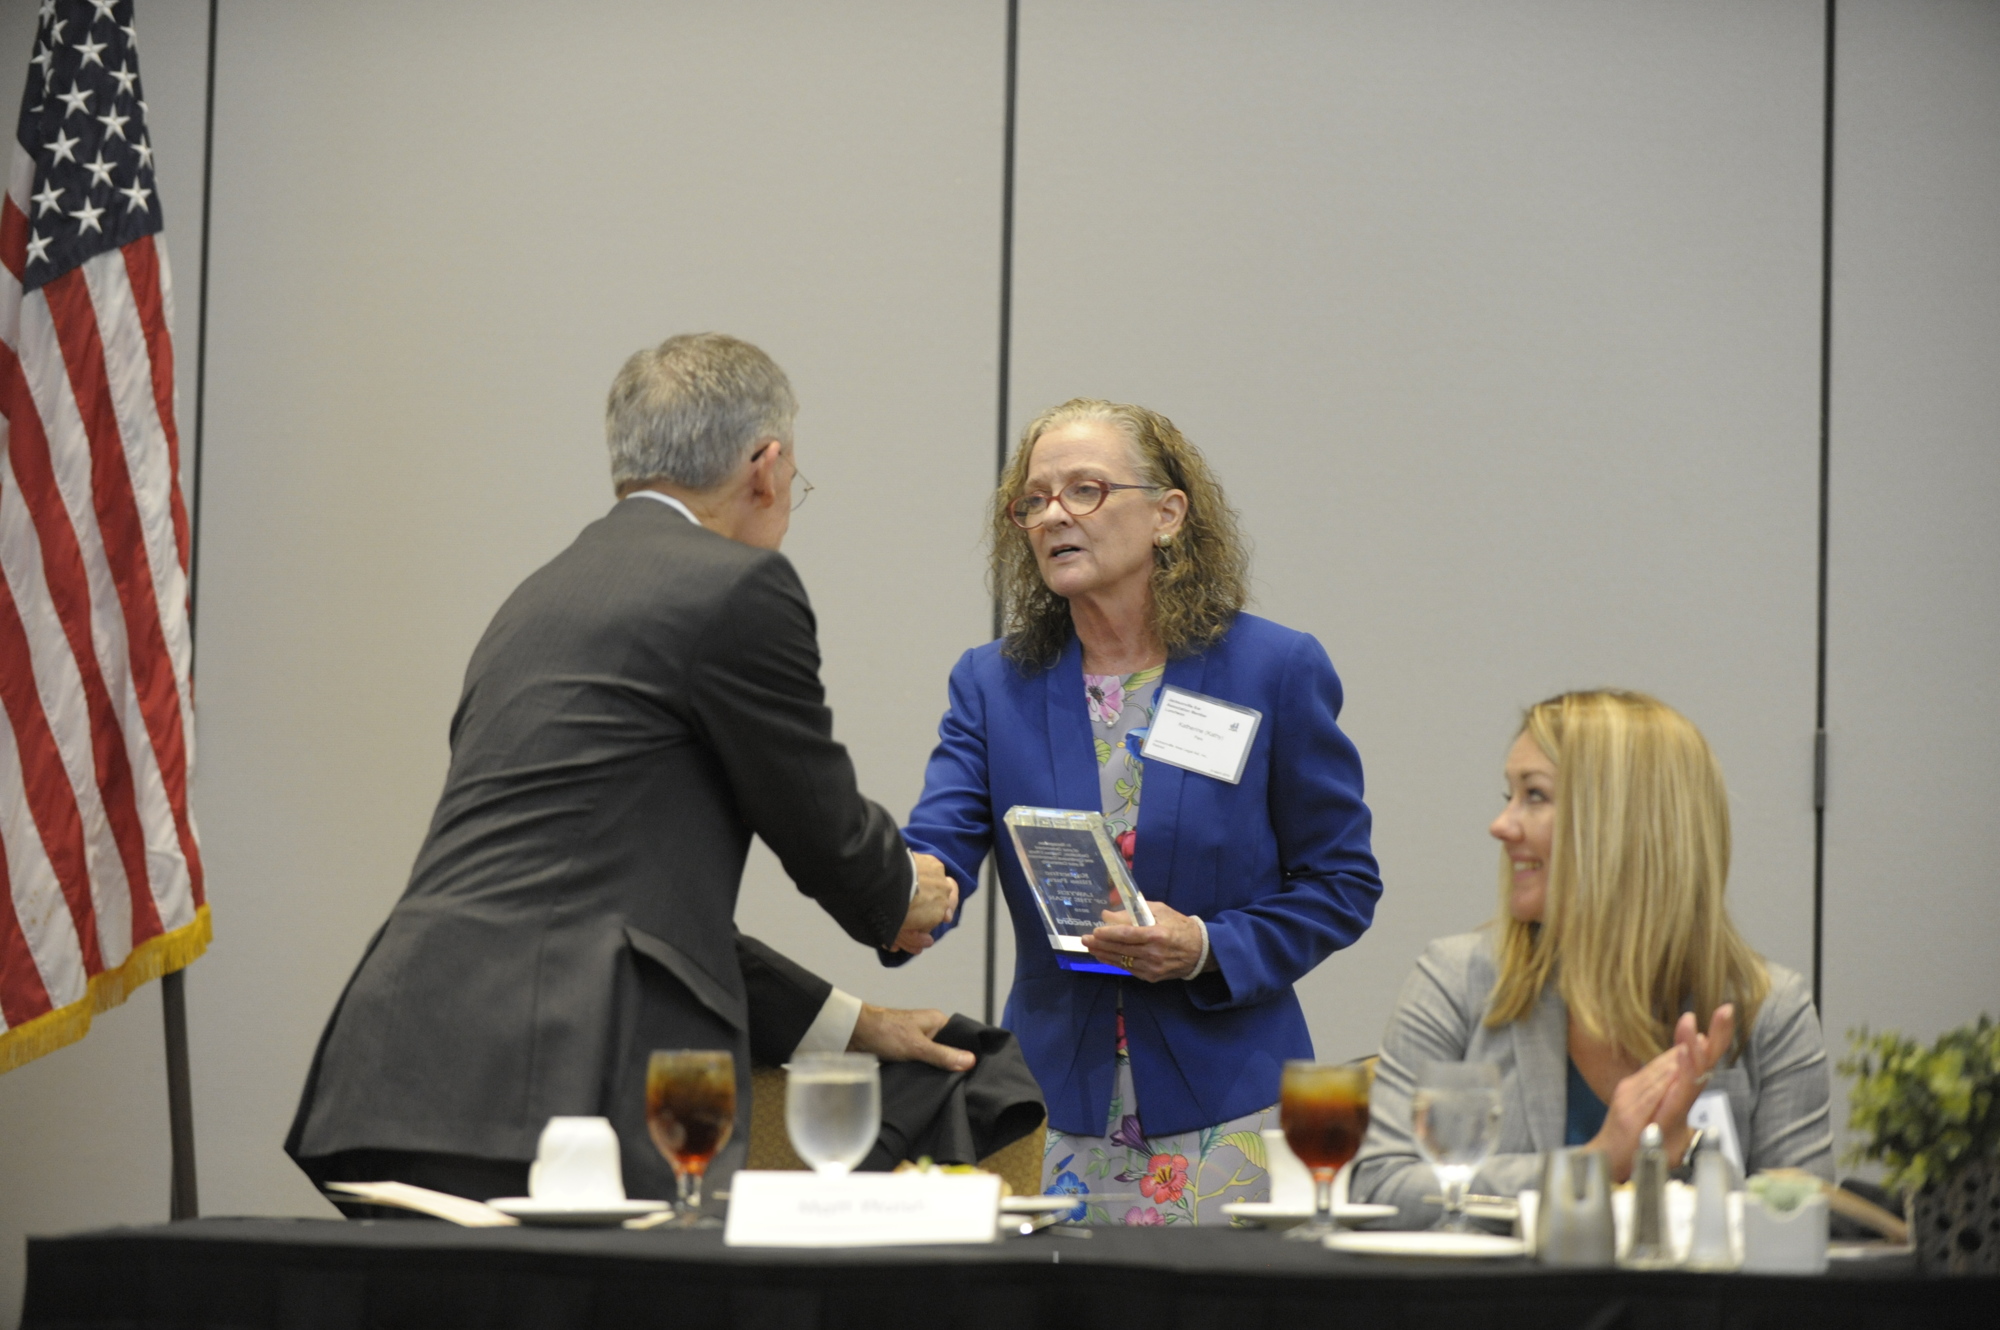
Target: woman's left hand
(1695, 1056)
(1167, 950)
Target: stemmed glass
(833, 1109)
(1323, 1108)
(1456, 1115)
(690, 1111)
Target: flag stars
(95, 164)
(86, 218)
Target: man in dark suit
(637, 709)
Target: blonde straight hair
(1633, 925)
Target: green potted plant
(1932, 1116)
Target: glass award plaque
(1075, 873)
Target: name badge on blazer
(1204, 735)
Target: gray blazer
(638, 708)
(1778, 1090)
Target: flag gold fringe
(65, 1025)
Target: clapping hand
(1695, 1057)
(1663, 1091)
(934, 901)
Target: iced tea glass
(1323, 1107)
(690, 1111)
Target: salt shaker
(1710, 1248)
(1650, 1249)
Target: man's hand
(1167, 950)
(905, 1036)
(935, 901)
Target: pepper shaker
(1650, 1249)
(1710, 1248)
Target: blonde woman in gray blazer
(1612, 951)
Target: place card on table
(770, 1209)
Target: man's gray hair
(688, 410)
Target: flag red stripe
(69, 589)
(142, 265)
(13, 238)
(22, 996)
(125, 546)
(45, 782)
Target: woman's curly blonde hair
(1200, 580)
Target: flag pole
(185, 1197)
(186, 1202)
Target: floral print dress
(1126, 1176)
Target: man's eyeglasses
(798, 476)
(1079, 498)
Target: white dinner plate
(1462, 1246)
(1039, 1205)
(531, 1211)
(1273, 1215)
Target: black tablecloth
(325, 1274)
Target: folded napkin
(437, 1204)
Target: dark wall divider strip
(1000, 413)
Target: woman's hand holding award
(1075, 874)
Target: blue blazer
(1278, 867)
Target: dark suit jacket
(636, 710)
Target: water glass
(833, 1109)
(1455, 1115)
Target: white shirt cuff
(833, 1027)
(1201, 964)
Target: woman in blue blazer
(1121, 571)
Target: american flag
(100, 879)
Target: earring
(1163, 540)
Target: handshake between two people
(909, 1035)
(934, 901)
(1168, 949)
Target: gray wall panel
(439, 230)
(1500, 323)
(1912, 858)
